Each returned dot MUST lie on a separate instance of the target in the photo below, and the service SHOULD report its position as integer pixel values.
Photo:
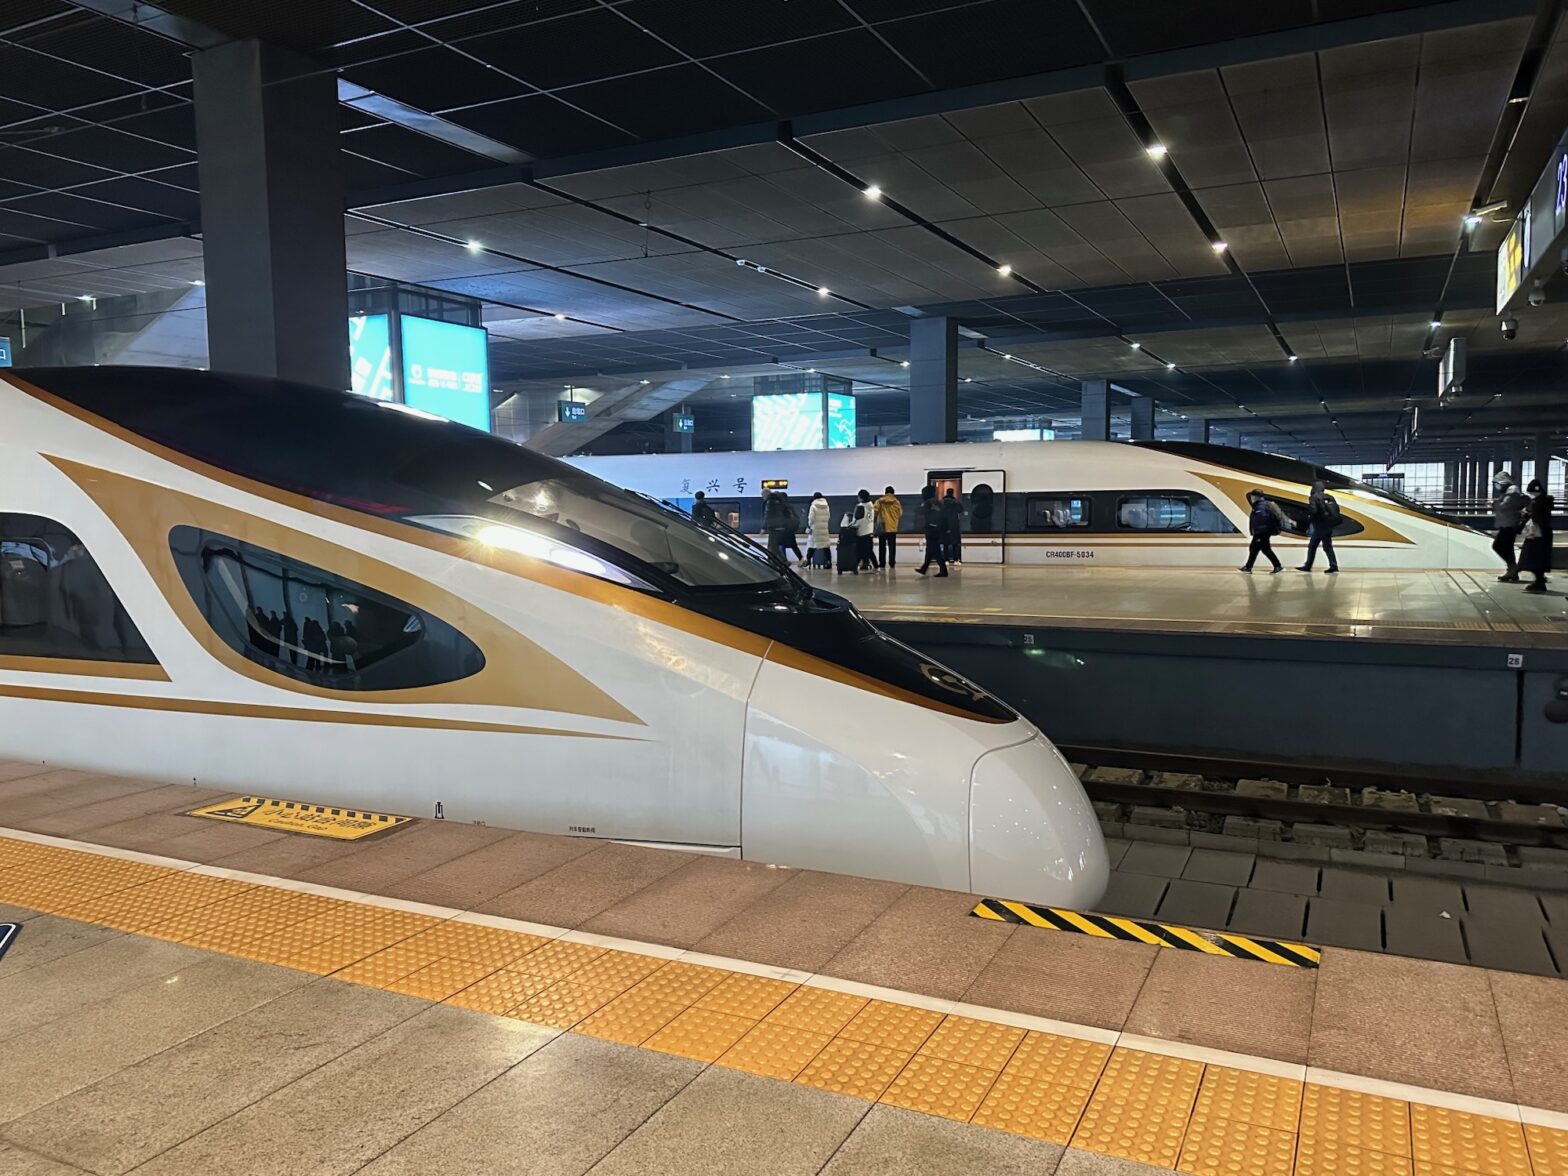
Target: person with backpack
(819, 519)
(929, 518)
(1535, 556)
(952, 527)
(701, 513)
(1509, 504)
(890, 512)
(1322, 517)
(781, 523)
(1265, 522)
(865, 517)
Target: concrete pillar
(1096, 424)
(1450, 481)
(272, 213)
(674, 440)
(1198, 430)
(1516, 461)
(933, 380)
(1542, 466)
(1142, 419)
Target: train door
(983, 493)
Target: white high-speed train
(298, 592)
(1052, 502)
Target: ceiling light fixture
(1137, 346)
(1170, 367)
(1156, 150)
(1293, 357)
(824, 291)
(473, 246)
(1435, 324)
(560, 318)
(645, 382)
(1218, 246)
(873, 192)
(1518, 100)
(198, 282)
(1004, 270)
(969, 379)
(903, 363)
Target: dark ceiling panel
(681, 100)
(409, 149)
(1003, 39)
(111, 148)
(435, 78)
(704, 30)
(172, 124)
(541, 125)
(1148, 26)
(44, 82)
(161, 199)
(578, 48)
(74, 213)
(296, 24)
(448, 21)
(846, 69)
(39, 169)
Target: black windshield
(379, 458)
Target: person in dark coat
(701, 513)
(775, 521)
(1322, 518)
(1265, 522)
(1535, 556)
(929, 518)
(952, 527)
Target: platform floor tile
(1140, 1108)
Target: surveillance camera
(1510, 328)
(1538, 295)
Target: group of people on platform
(1267, 520)
(867, 538)
(1525, 515)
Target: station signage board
(684, 422)
(5, 351)
(1534, 243)
(570, 411)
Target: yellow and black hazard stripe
(379, 818)
(1242, 947)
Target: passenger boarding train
(298, 592)
(1163, 503)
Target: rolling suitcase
(822, 557)
(848, 550)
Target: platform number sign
(1516, 661)
(8, 933)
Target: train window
(1174, 510)
(1044, 512)
(315, 626)
(55, 601)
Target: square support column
(1543, 459)
(1096, 401)
(271, 176)
(1142, 419)
(933, 381)
(1198, 430)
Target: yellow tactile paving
(1365, 1120)
(892, 1026)
(854, 1068)
(1227, 1147)
(818, 1009)
(1027, 1106)
(938, 1086)
(700, 1034)
(1247, 1097)
(1140, 1108)
(563, 1004)
(1332, 1156)
(1146, 1107)
(775, 1050)
(1548, 1150)
(1444, 1140)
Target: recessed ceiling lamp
(903, 363)
(1218, 246)
(1137, 346)
(824, 291)
(1170, 367)
(1293, 357)
(873, 192)
(198, 282)
(1156, 150)
(560, 318)
(473, 246)
(1004, 270)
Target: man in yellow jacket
(890, 512)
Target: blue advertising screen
(790, 420)
(841, 421)
(370, 356)
(446, 370)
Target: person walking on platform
(890, 513)
(819, 544)
(1322, 517)
(865, 516)
(780, 522)
(701, 513)
(1535, 556)
(929, 518)
(1265, 522)
(952, 527)
(1508, 506)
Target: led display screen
(841, 421)
(446, 370)
(790, 420)
(370, 356)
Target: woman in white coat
(819, 518)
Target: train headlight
(533, 545)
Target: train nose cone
(1033, 835)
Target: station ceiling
(680, 180)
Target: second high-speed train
(1081, 503)
(298, 592)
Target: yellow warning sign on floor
(292, 817)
